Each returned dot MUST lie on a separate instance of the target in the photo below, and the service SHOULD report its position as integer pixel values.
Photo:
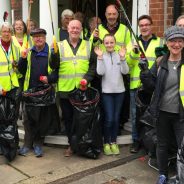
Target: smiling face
(111, 15)
(109, 43)
(19, 27)
(175, 46)
(74, 29)
(145, 27)
(39, 41)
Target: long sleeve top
(111, 69)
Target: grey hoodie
(111, 69)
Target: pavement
(54, 168)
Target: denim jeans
(133, 114)
(112, 105)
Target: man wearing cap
(39, 69)
(76, 63)
(166, 80)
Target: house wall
(16, 5)
(157, 14)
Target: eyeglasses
(144, 25)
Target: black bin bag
(86, 138)
(9, 138)
(42, 95)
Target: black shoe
(135, 147)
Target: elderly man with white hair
(66, 16)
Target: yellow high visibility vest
(122, 35)
(72, 67)
(28, 71)
(133, 60)
(8, 77)
(181, 89)
(27, 42)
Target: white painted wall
(5, 6)
(143, 8)
(45, 18)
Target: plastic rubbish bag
(9, 141)
(86, 129)
(43, 95)
(7, 109)
(8, 129)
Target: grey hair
(179, 18)
(7, 25)
(66, 12)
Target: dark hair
(109, 35)
(24, 25)
(145, 17)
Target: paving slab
(134, 172)
(9, 175)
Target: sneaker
(107, 149)
(38, 151)
(23, 151)
(115, 149)
(135, 147)
(162, 179)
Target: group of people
(102, 56)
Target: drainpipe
(177, 9)
(165, 14)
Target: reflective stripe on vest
(182, 85)
(72, 67)
(8, 77)
(28, 71)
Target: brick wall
(17, 6)
(157, 14)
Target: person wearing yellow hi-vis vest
(9, 56)
(166, 80)
(112, 26)
(41, 116)
(76, 63)
(148, 42)
(21, 39)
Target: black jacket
(154, 80)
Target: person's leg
(67, 113)
(136, 145)
(118, 102)
(133, 115)
(108, 119)
(163, 130)
(28, 134)
(107, 101)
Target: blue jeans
(112, 105)
(133, 114)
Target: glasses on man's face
(144, 25)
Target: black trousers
(169, 127)
(67, 112)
